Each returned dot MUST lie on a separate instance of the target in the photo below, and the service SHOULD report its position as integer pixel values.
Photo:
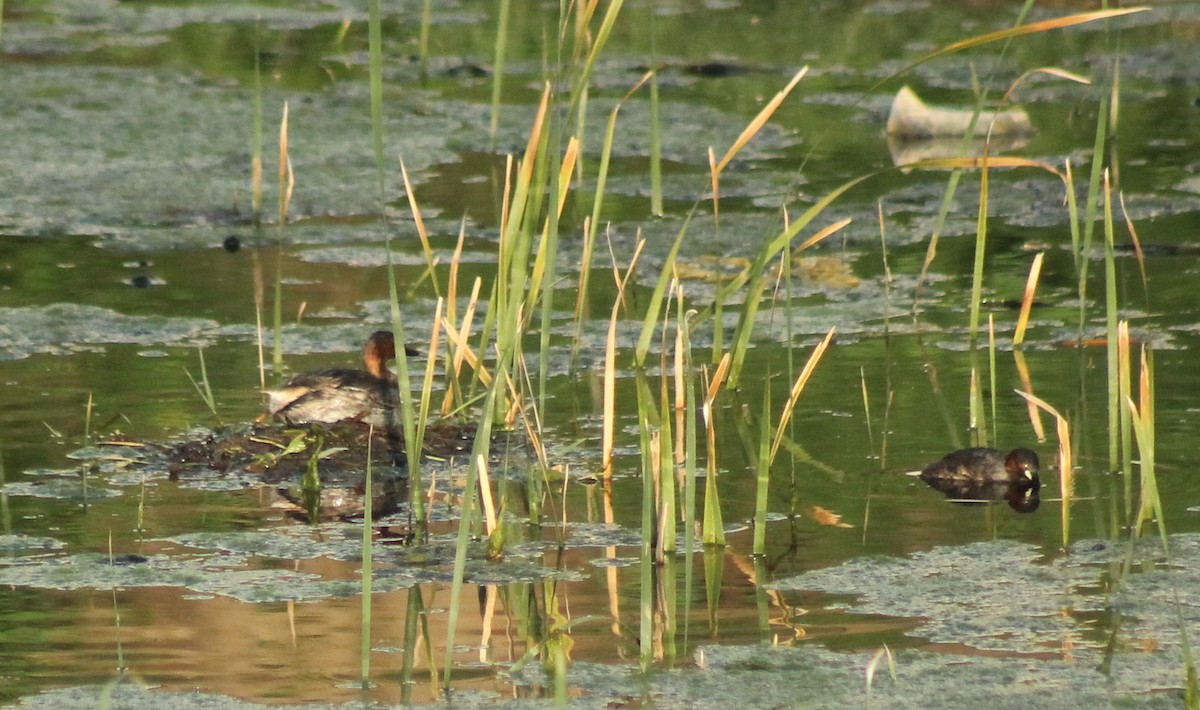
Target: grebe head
(1022, 464)
(378, 349)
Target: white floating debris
(910, 117)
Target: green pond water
(125, 132)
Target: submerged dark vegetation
(460, 474)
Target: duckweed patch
(20, 542)
(1005, 597)
(236, 565)
(760, 677)
(63, 328)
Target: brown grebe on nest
(341, 394)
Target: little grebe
(338, 394)
(985, 465)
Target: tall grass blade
(665, 485)
(714, 525)
(763, 473)
(654, 308)
(977, 425)
(1150, 506)
(204, 387)
(1110, 333)
(992, 372)
(423, 36)
(610, 371)
(286, 183)
(593, 224)
(6, 515)
(601, 38)
(1091, 206)
(469, 510)
(656, 180)
(415, 210)
(1125, 392)
(980, 249)
(367, 569)
(256, 122)
(650, 434)
(504, 10)
(689, 466)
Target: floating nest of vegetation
(319, 471)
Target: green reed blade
(980, 249)
(665, 531)
(601, 39)
(1125, 391)
(256, 143)
(714, 575)
(689, 469)
(648, 419)
(423, 37)
(479, 451)
(650, 321)
(992, 371)
(286, 182)
(1110, 331)
(1091, 206)
(656, 180)
(762, 478)
(754, 277)
(366, 574)
(502, 15)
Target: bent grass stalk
(1035, 272)
(767, 453)
(1035, 414)
(1137, 245)
(753, 277)
(713, 532)
(1066, 479)
(752, 129)
(204, 387)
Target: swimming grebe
(339, 394)
(985, 465)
